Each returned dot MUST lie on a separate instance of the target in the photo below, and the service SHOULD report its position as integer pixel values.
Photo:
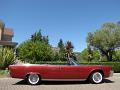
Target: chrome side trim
(63, 79)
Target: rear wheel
(33, 79)
(96, 77)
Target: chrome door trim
(63, 79)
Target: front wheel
(33, 79)
(96, 77)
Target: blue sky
(67, 19)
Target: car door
(52, 72)
(72, 72)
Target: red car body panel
(57, 71)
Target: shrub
(51, 62)
(34, 51)
(6, 57)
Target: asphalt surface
(112, 83)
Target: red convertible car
(35, 73)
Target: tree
(61, 50)
(105, 39)
(61, 44)
(90, 53)
(69, 49)
(45, 39)
(84, 55)
(116, 55)
(37, 36)
(35, 49)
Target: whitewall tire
(96, 77)
(33, 79)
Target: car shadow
(23, 82)
(63, 82)
(107, 81)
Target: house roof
(8, 43)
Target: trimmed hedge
(51, 62)
(115, 65)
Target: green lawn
(4, 73)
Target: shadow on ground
(107, 81)
(23, 82)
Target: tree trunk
(109, 56)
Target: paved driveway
(112, 83)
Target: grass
(4, 73)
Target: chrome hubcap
(33, 78)
(97, 77)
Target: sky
(70, 20)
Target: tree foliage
(35, 49)
(105, 39)
(116, 55)
(61, 50)
(84, 55)
(69, 50)
(37, 36)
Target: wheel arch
(96, 70)
(26, 76)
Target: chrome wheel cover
(33, 79)
(97, 77)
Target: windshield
(73, 62)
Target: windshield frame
(73, 62)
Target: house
(6, 35)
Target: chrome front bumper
(111, 73)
